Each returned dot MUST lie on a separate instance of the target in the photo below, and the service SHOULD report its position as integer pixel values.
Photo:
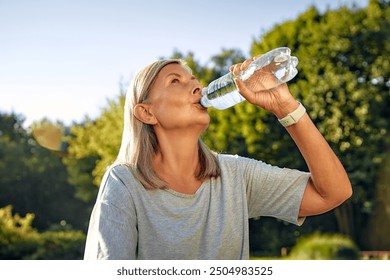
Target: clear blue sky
(63, 59)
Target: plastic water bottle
(267, 71)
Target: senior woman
(168, 196)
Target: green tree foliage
(324, 247)
(17, 237)
(34, 179)
(19, 240)
(93, 146)
(344, 82)
(378, 231)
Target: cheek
(168, 116)
(168, 108)
(168, 101)
(170, 104)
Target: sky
(63, 60)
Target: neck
(177, 152)
(177, 161)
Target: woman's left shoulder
(235, 159)
(227, 157)
(231, 161)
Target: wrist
(294, 116)
(285, 109)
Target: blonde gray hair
(139, 141)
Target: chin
(206, 125)
(203, 122)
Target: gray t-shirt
(130, 222)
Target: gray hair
(139, 141)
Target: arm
(329, 185)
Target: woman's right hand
(277, 100)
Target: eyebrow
(179, 76)
(173, 74)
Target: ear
(143, 114)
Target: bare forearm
(329, 184)
(327, 173)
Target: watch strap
(294, 116)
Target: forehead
(174, 68)
(169, 70)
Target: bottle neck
(204, 101)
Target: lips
(200, 106)
(197, 101)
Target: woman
(169, 197)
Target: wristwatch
(294, 116)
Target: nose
(197, 87)
(197, 90)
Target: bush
(17, 237)
(19, 240)
(324, 247)
(60, 245)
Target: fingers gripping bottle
(267, 71)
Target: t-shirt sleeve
(273, 191)
(112, 232)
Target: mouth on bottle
(204, 102)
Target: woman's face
(174, 99)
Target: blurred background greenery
(47, 192)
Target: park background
(47, 189)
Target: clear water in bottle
(268, 71)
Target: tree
(19, 240)
(34, 179)
(93, 146)
(344, 83)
